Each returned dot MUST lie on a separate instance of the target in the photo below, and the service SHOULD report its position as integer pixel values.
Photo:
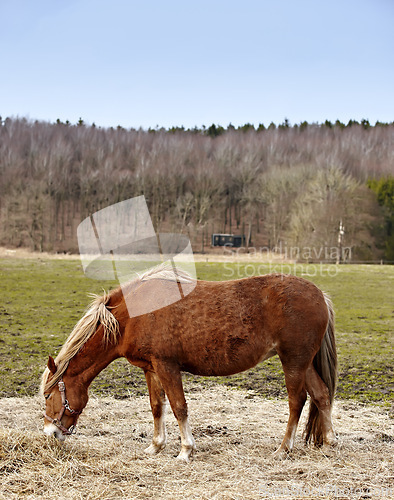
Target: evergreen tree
(214, 131)
(246, 128)
(365, 124)
(303, 125)
(285, 125)
(384, 189)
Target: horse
(218, 329)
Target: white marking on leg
(187, 440)
(159, 440)
(292, 437)
(329, 437)
(288, 442)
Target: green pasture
(42, 299)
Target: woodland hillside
(282, 186)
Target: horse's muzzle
(51, 430)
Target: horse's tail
(325, 363)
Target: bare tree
(269, 182)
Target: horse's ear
(52, 365)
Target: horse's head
(62, 406)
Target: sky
(190, 63)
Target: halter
(65, 406)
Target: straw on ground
(237, 432)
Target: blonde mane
(86, 327)
(168, 272)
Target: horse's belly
(236, 356)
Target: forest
(285, 186)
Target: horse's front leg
(158, 402)
(171, 380)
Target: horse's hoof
(331, 442)
(154, 449)
(328, 448)
(280, 454)
(182, 457)
(185, 455)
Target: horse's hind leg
(295, 384)
(158, 402)
(171, 380)
(318, 391)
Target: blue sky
(193, 63)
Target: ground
(236, 432)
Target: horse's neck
(91, 360)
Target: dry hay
(236, 433)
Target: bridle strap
(65, 406)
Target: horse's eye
(47, 396)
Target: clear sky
(197, 62)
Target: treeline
(215, 130)
(281, 186)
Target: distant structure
(228, 240)
(341, 234)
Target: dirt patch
(236, 432)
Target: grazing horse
(218, 329)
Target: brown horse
(220, 328)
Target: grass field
(43, 298)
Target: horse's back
(226, 327)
